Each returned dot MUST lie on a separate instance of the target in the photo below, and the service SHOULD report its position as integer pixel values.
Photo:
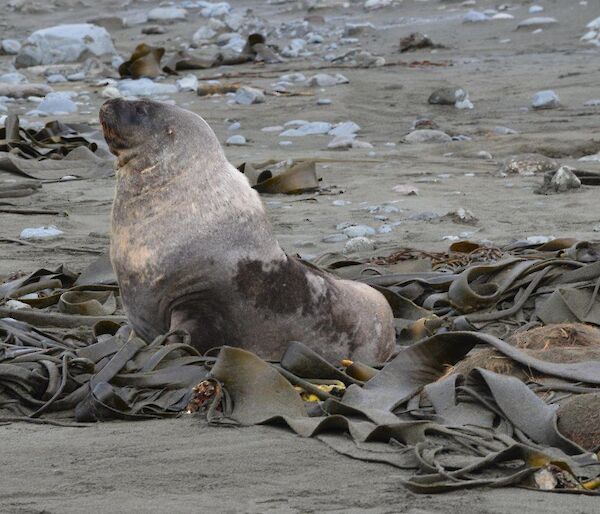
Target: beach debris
(358, 231)
(48, 232)
(356, 29)
(559, 181)
(144, 62)
(406, 189)
(217, 88)
(462, 216)
(504, 131)
(154, 29)
(289, 177)
(546, 99)
(247, 95)
(527, 164)
(456, 96)
(64, 44)
(187, 83)
(427, 136)
(306, 128)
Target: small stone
(537, 22)
(592, 103)
(341, 142)
(347, 128)
(484, 155)
(359, 231)
(110, 23)
(214, 10)
(10, 46)
(324, 101)
(334, 238)
(13, 77)
(475, 17)
(534, 9)
(248, 95)
(76, 77)
(187, 83)
(355, 29)
(41, 232)
(447, 96)
(16, 305)
(452, 239)
(168, 14)
(202, 34)
(144, 87)
(237, 140)
(504, 131)
(275, 128)
(326, 80)
(308, 129)
(415, 41)
(560, 181)
(111, 92)
(424, 216)
(56, 78)
(461, 215)
(57, 103)
(406, 189)
(539, 240)
(340, 203)
(359, 244)
(371, 5)
(547, 99)
(236, 125)
(427, 136)
(153, 29)
(528, 164)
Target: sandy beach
(183, 465)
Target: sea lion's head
(141, 132)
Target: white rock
(237, 140)
(111, 92)
(427, 136)
(475, 17)
(590, 158)
(341, 142)
(64, 43)
(358, 244)
(406, 189)
(504, 131)
(359, 231)
(41, 232)
(465, 103)
(187, 83)
(295, 47)
(13, 77)
(167, 14)
(534, 9)
(503, 16)
(371, 5)
(594, 24)
(564, 179)
(536, 22)
(324, 101)
(16, 305)
(144, 87)
(202, 34)
(547, 99)
(236, 125)
(308, 129)
(10, 46)
(248, 95)
(275, 128)
(592, 103)
(539, 240)
(214, 10)
(590, 35)
(326, 80)
(347, 128)
(335, 238)
(57, 103)
(293, 77)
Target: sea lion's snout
(119, 119)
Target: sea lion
(193, 249)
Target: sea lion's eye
(141, 110)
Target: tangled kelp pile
(457, 405)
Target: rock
(335, 238)
(347, 128)
(482, 154)
(355, 29)
(167, 14)
(214, 10)
(187, 83)
(308, 129)
(326, 80)
(534, 9)
(416, 41)
(111, 92)
(234, 126)
(154, 29)
(475, 17)
(16, 305)
(294, 48)
(14, 77)
(461, 215)
(537, 22)
(144, 87)
(406, 189)
(248, 95)
(41, 233)
(202, 34)
(504, 131)
(24, 90)
(275, 128)
(560, 181)
(465, 103)
(358, 231)
(424, 216)
(539, 240)
(547, 99)
(359, 244)
(594, 24)
(371, 5)
(447, 96)
(293, 77)
(64, 43)
(10, 46)
(341, 143)
(324, 101)
(592, 103)
(237, 140)
(56, 104)
(427, 136)
(528, 164)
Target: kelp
(454, 424)
(288, 177)
(57, 150)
